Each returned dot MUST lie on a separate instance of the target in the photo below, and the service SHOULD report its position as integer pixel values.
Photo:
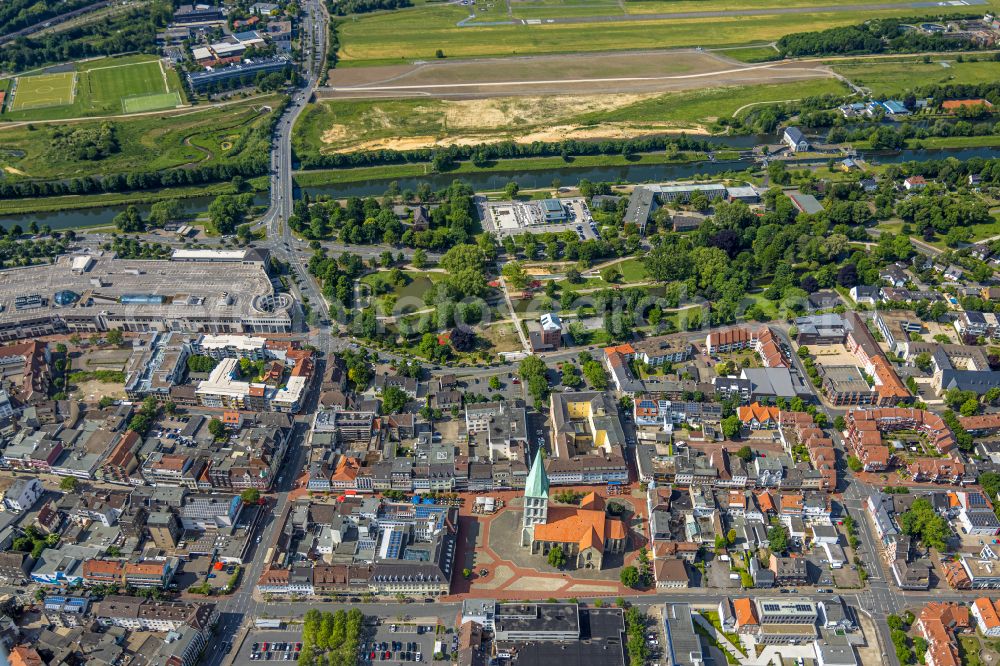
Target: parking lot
(390, 642)
(270, 646)
(510, 218)
(400, 643)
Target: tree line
(345, 7)
(18, 14)
(894, 35)
(129, 31)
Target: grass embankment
(349, 126)
(323, 177)
(101, 87)
(942, 142)
(886, 78)
(146, 143)
(750, 54)
(392, 37)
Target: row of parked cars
(394, 650)
(275, 651)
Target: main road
(240, 608)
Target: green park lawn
(888, 78)
(146, 143)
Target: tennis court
(44, 90)
(152, 102)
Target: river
(639, 173)
(495, 180)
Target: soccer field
(151, 102)
(43, 91)
(106, 86)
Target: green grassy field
(703, 106)
(392, 37)
(894, 77)
(43, 91)
(146, 143)
(750, 53)
(107, 86)
(151, 102)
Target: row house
(130, 574)
(939, 470)
(121, 464)
(762, 340)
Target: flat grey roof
(188, 289)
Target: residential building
(22, 494)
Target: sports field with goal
(43, 91)
(107, 86)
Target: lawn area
(416, 284)
(732, 637)
(323, 177)
(632, 270)
(679, 6)
(888, 78)
(968, 650)
(145, 143)
(107, 86)
(769, 307)
(346, 126)
(750, 53)
(409, 34)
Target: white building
(795, 140)
(23, 494)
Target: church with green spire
(536, 499)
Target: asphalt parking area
(397, 643)
(270, 646)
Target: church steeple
(537, 484)
(536, 499)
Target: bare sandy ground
(632, 72)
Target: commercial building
(138, 296)
(683, 644)
(22, 494)
(226, 387)
(845, 385)
(587, 439)
(247, 69)
(147, 615)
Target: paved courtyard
(492, 543)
